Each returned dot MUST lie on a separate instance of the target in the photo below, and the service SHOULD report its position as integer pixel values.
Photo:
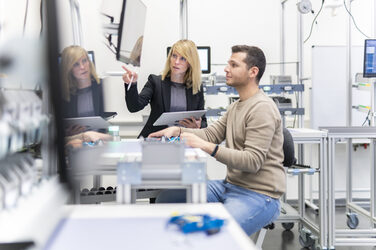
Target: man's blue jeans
(250, 209)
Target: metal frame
(2, 8)
(183, 19)
(190, 176)
(309, 136)
(300, 137)
(300, 63)
(341, 237)
(137, 168)
(268, 88)
(76, 23)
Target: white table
(142, 227)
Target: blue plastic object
(93, 143)
(197, 223)
(173, 139)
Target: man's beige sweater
(254, 144)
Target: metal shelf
(283, 111)
(270, 89)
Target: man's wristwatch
(215, 150)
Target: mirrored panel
(131, 32)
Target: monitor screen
(91, 56)
(369, 64)
(204, 55)
(131, 32)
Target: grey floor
(280, 239)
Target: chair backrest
(288, 149)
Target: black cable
(367, 118)
(295, 116)
(109, 39)
(356, 26)
(313, 22)
(25, 18)
(108, 16)
(109, 48)
(297, 165)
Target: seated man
(254, 146)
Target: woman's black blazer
(158, 94)
(70, 108)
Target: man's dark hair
(255, 58)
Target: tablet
(90, 122)
(109, 115)
(173, 118)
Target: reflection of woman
(177, 89)
(82, 90)
(136, 52)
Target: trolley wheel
(352, 220)
(317, 211)
(306, 239)
(288, 225)
(317, 246)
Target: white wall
(12, 18)
(216, 23)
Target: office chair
(288, 161)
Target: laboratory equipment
(369, 63)
(280, 79)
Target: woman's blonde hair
(69, 57)
(188, 50)
(136, 52)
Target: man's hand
(74, 130)
(196, 142)
(92, 136)
(191, 122)
(168, 132)
(75, 143)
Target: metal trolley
(311, 234)
(353, 236)
(163, 165)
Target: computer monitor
(204, 55)
(91, 56)
(131, 32)
(369, 63)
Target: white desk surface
(307, 133)
(351, 132)
(142, 227)
(132, 147)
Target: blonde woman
(82, 90)
(177, 89)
